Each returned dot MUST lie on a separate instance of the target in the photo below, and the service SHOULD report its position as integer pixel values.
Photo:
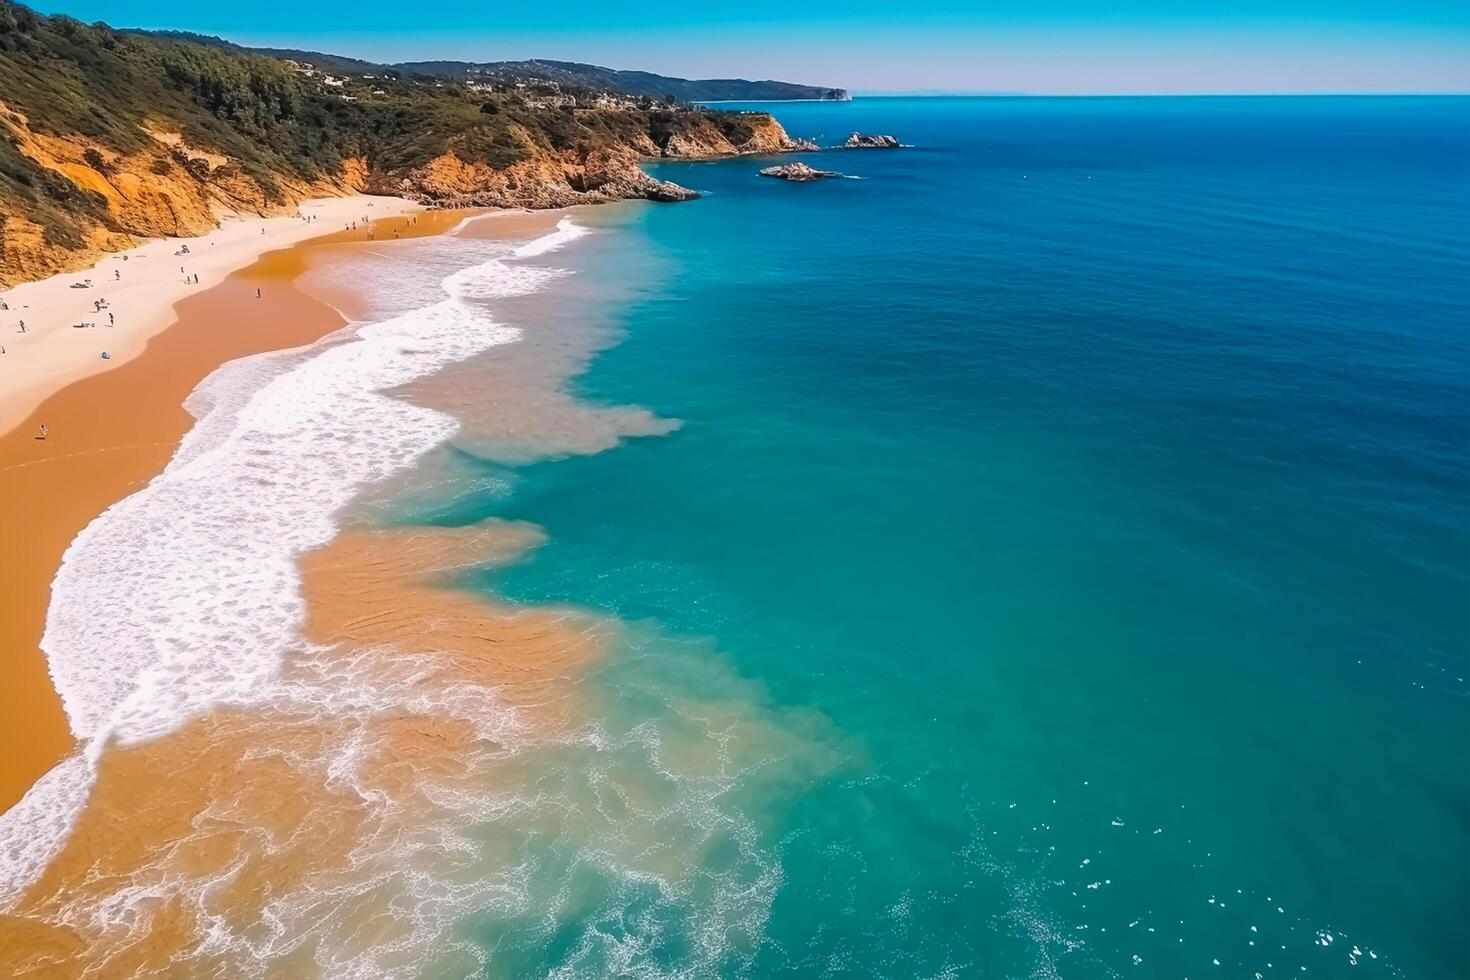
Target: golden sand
(107, 436)
(236, 811)
(386, 591)
(140, 288)
(280, 827)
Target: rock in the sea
(795, 144)
(642, 185)
(797, 171)
(859, 141)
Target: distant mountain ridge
(627, 82)
(571, 74)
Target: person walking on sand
(257, 294)
(22, 326)
(111, 322)
(43, 431)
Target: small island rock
(795, 144)
(859, 141)
(798, 172)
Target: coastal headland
(109, 137)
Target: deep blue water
(1063, 564)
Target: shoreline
(450, 680)
(142, 288)
(110, 432)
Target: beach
(138, 290)
(111, 425)
(108, 435)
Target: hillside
(107, 136)
(573, 74)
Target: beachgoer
(22, 326)
(110, 321)
(257, 294)
(43, 430)
(117, 273)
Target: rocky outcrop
(704, 138)
(550, 181)
(169, 188)
(795, 144)
(798, 172)
(859, 141)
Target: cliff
(107, 137)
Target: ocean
(1060, 566)
(1044, 553)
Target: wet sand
(138, 290)
(110, 433)
(286, 826)
(241, 818)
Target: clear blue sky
(1041, 46)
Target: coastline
(142, 287)
(111, 431)
(159, 805)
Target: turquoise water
(1061, 567)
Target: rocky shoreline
(174, 189)
(571, 177)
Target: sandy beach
(117, 305)
(112, 425)
(173, 805)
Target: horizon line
(942, 94)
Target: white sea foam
(185, 596)
(32, 831)
(281, 442)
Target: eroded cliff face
(543, 180)
(172, 188)
(705, 139)
(554, 179)
(168, 188)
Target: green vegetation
(275, 119)
(576, 75)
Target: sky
(1039, 47)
